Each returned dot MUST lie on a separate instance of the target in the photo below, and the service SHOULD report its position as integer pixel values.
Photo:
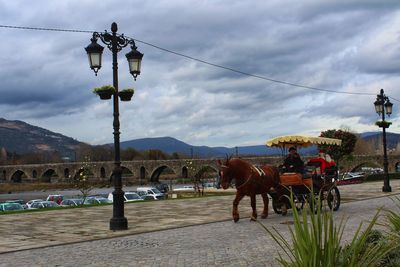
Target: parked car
(209, 185)
(128, 197)
(149, 197)
(164, 188)
(30, 202)
(353, 175)
(44, 205)
(19, 201)
(151, 191)
(56, 198)
(10, 206)
(72, 202)
(188, 188)
(93, 200)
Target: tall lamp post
(115, 42)
(382, 106)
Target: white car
(44, 205)
(128, 197)
(150, 191)
(30, 202)
(353, 175)
(188, 188)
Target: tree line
(83, 152)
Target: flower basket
(383, 124)
(105, 92)
(126, 94)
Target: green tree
(131, 154)
(338, 152)
(82, 181)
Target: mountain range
(21, 138)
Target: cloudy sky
(347, 46)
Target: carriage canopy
(287, 141)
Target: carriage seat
(294, 178)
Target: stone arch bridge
(144, 171)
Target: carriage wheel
(314, 203)
(333, 198)
(276, 205)
(299, 202)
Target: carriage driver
(293, 162)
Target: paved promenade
(190, 232)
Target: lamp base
(117, 224)
(386, 189)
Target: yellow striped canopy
(301, 141)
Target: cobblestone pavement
(202, 234)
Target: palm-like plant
(317, 241)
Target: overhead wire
(199, 60)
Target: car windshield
(12, 206)
(49, 204)
(155, 190)
(102, 200)
(131, 196)
(78, 201)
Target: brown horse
(249, 181)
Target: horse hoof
(235, 220)
(264, 216)
(253, 219)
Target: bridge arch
(155, 176)
(127, 175)
(18, 176)
(102, 173)
(206, 172)
(184, 172)
(66, 173)
(49, 175)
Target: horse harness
(254, 169)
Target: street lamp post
(115, 42)
(382, 106)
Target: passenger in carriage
(324, 161)
(293, 162)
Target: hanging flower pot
(105, 92)
(383, 124)
(126, 94)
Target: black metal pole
(386, 184)
(118, 221)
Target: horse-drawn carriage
(268, 181)
(317, 178)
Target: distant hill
(22, 138)
(170, 145)
(375, 138)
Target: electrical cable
(199, 60)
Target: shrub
(317, 241)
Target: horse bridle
(247, 180)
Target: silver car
(44, 205)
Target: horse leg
(266, 203)
(235, 212)
(253, 206)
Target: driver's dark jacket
(293, 163)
